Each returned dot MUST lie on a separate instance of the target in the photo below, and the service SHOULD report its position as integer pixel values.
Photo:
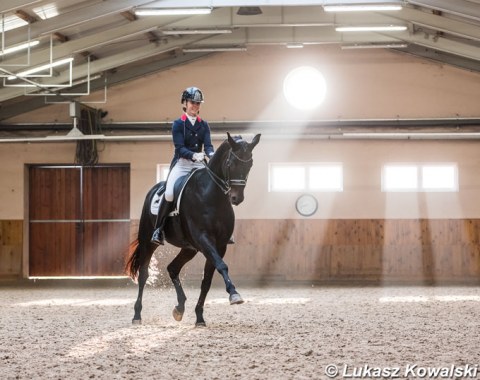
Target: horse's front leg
(216, 257)
(208, 272)
(174, 268)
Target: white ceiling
(107, 39)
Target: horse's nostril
(236, 199)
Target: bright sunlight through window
(429, 177)
(400, 178)
(162, 172)
(328, 177)
(303, 177)
(440, 178)
(304, 88)
(287, 178)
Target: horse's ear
(255, 141)
(231, 141)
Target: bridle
(226, 184)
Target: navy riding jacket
(189, 139)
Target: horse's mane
(221, 151)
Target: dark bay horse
(205, 223)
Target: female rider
(190, 136)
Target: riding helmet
(192, 93)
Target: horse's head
(238, 165)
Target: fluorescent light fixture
(41, 68)
(392, 45)
(172, 11)
(196, 31)
(24, 46)
(294, 45)
(371, 28)
(213, 49)
(361, 7)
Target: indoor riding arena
(339, 215)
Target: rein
(222, 184)
(225, 184)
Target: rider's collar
(185, 117)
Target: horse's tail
(134, 260)
(139, 252)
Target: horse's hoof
(200, 324)
(136, 321)
(236, 299)
(177, 315)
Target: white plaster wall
(362, 197)
(362, 162)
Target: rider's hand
(198, 157)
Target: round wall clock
(306, 205)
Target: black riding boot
(163, 211)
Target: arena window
(162, 172)
(419, 177)
(440, 177)
(291, 177)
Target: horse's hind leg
(142, 280)
(174, 268)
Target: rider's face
(193, 108)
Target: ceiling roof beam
(462, 8)
(441, 57)
(222, 18)
(442, 44)
(129, 15)
(87, 43)
(77, 17)
(104, 64)
(35, 102)
(310, 35)
(11, 5)
(319, 35)
(25, 16)
(80, 16)
(258, 3)
(440, 23)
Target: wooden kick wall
(347, 251)
(315, 250)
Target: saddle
(177, 194)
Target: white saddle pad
(154, 206)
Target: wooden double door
(79, 220)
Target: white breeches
(182, 167)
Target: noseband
(226, 184)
